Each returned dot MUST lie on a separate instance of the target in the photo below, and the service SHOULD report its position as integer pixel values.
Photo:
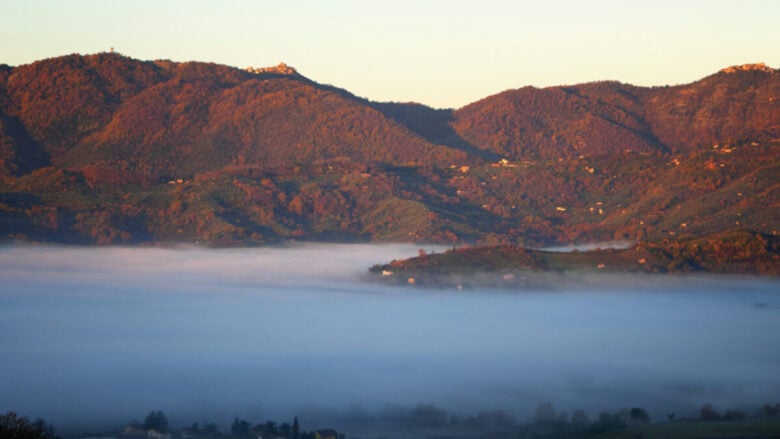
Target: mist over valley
(94, 337)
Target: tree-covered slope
(107, 149)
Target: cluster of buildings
(281, 69)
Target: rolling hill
(107, 149)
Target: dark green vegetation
(738, 252)
(107, 149)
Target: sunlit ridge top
(748, 67)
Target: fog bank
(105, 335)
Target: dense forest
(106, 149)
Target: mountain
(159, 119)
(610, 117)
(108, 149)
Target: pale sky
(443, 53)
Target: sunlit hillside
(108, 149)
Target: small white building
(154, 434)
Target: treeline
(547, 422)
(13, 426)
(156, 426)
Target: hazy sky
(441, 53)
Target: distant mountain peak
(280, 69)
(761, 67)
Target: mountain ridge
(106, 149)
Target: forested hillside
(108, 149)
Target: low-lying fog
(103, 336)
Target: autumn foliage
(108, 149)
